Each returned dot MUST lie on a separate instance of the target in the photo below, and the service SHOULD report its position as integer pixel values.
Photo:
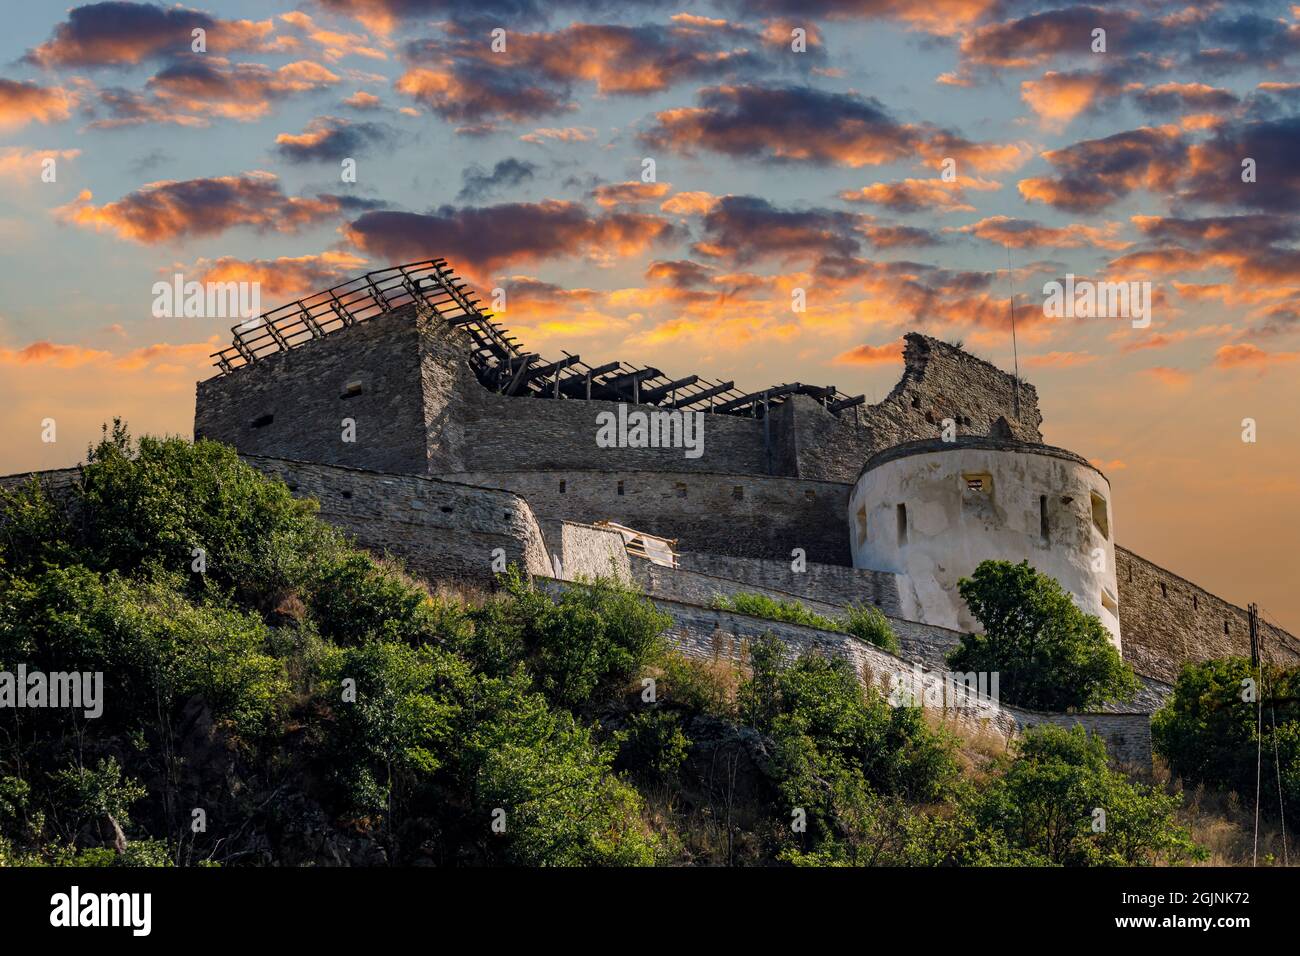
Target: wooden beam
(701, 396)
(651, 396)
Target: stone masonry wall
(304, 390)
(473, 429)
(1168, 621)
(420, 409)
(712, 635)
(942, 381)
(832, 583)
(441, 530)
(738, 515)
(586, 551)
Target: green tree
(1059, 801)
(1048, 654)
(840, 753)
(1208, 730)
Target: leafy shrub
(1049, 655)
(696, 686)
(655, 747)
(863, 621)
(868, 623)
(152, 503)
(1208, 730)
(839, 747)
(589, 640)
(1046, 803)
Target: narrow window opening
(347, 495)
(1225, 626)
(1164, 591)
(1196, 603)
(620, 487)
(445, 509)
(562, 486)
(979, 481)
(902, 524)
(681, 489)
(1042, 519)
(262, 421)
(738, 492)
(1100, 517)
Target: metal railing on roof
(497, 358)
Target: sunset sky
(774, 170)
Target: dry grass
(1224, 824)
(979, 744)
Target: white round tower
(930, 511)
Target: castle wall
(707, 634)
(918, 515)
(441, 530)
(305, 391)
(1166, 627)
(941, 381)
(833, 584)
(765, 518)
(585, 551)
(473, 429)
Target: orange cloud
(1174, 378)
(23, 103)
(334, 45)
(567, 134)
(695, 203)
(1247, 355)
(1060, 359)
(870, 355)
(24, 165)
(169, 210)
(361, 100)
(1057, 98)
(1027, 234)
(51, 353)
(243, 91)
(125, 34)
(288, 277)
(629, 193)
(913, 195)
(480, 239)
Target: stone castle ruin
(428, 432)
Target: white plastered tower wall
(931, 511)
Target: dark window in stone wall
(1043, 528)
(262, 421)
(562, 486)
(902, 524)
(738, 492)
(620, 487)
(1164, 591)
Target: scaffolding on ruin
(498, 359)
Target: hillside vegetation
(274, 696)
